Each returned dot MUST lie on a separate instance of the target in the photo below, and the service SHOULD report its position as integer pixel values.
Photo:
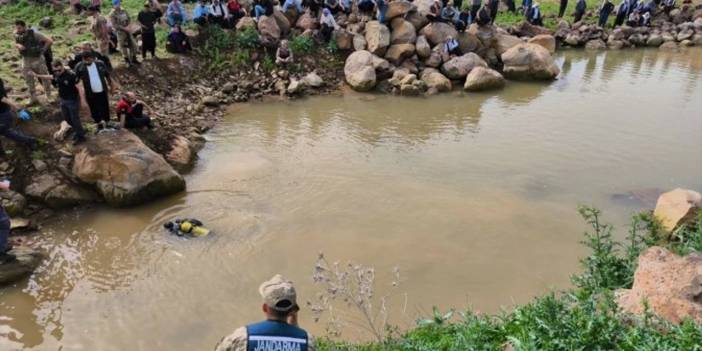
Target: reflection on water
(473, 196)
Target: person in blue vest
(279, 331)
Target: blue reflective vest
(275, 336)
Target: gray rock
(483, 78)
(27, 261)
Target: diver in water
(190, 227)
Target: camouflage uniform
(33, 60)
(120, 21)
(101, 31)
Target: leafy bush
(268, 64)
(246, 39)
(241, 58)
(302, 45)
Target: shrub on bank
(583, 318)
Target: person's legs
(71, 110)
(104, 106)
(132, 46)
(48, 59)
(104, 46)
(562, 8)
(4, 235)
(259, 11)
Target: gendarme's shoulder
(235, 341)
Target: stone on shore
(57, 192)
(359, 42)
(438, 32)
(305, 22)
(669, 46)
(13, 202)
(313, 80)
(417, 19)
(668, 284)
(399, 52)
(677, 207)
(529, 61)
(359, 71)
(124, 170)
(545, 40)
(469, 42)
(245, 22)
(27, 261)
(435, 80)
(403, 32)
(377, 37)
(183, 154)
(459, 67)
(398, 8)
(654, 40)
(422, 47)
(595, 44)
(282, 22)
(506, 42)
(483, 78)
(268, 30)
(527, 29)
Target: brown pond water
(472, 196)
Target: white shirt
(95, 82)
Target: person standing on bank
(97, 85)
(562, 8)
(280, 327)
(32, 45)
(607, 8)
(120, 22)
(100, 29)
(65, 81)
(580, 8)
(148, 18)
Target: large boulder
(545, 40)
(483, 78)
(57, 192)
(403, 32)
(377, 37)
(27, 261)
(422, 46)
(268, 30)
(282, 21)
(469, 42)
(417, 19)
(527, 29)
(654, 40)
(459, 67)
(486, 34)
(666, 284)
(435, 80)
(245, 22)
(506, 42)
(306, 22)
(344, 39)
(399, 52)
(124, 170)
(183, 153)
(677, 207)
(398, 8)
(359, 42)
(529, 61)
(359, 71)
(438, 32)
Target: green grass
(583, 318)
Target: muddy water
(473, 197)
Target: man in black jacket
(65, 81)
(97, 84)
(87, 48)
(580, 8)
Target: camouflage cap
(279, 294)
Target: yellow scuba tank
(200, 231)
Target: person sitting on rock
(178, 42)
(580, 8)
(645, 19)
(449, 14)
(201, 13)
(283, 55)
(534, 15)
(130, 112)
(220, 14)
(296, 4)
(464, 20)
(175, 13)
(313, 6)
(434, 14)
(605, 10)
(333, 6)
(7, 112)
(346, 6)
(483, 18)
(634, 19)
(263, 8)
(450, 49)
(327, 24)
(668, 5)
(366, 8)
(236, 11)
(183, 227)
(5, 247)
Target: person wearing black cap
(279, 331)
(148, 17)
(7, 112)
